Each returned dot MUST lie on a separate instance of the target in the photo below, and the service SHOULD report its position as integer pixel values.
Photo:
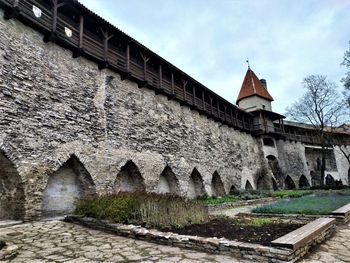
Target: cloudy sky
(285, 40)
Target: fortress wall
(54, 107)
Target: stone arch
(129, 179)
(289, 183)
(168, 183)
(195, 185)
(11, 191)
(303, 182)
(330, 180)
(217, 185)
(248, 186)
(69, 183)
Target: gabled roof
(252, 86)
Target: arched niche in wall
(69, 183)
(195, 185)
(248, 186)
(289, 183)
(303, 182)
(168, 183)
(129, 179)
(11, 191)
(330, 180)
(233, 190)
(217, 185)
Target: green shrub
(149, 209)
(219, 200)
(291, 193)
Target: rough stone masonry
(68, 129)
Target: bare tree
(322, 107)
(346, 79)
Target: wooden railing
(129, 58)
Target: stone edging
(217, 207)
(254, 252)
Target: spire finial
(248, 63)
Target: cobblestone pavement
(334, 250)
(57, 241)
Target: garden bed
(317, 204)
(245, 229)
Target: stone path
(335, 250)
(57, 241)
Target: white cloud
(211, 39)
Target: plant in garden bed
(291, 193)
(150, 209)
(319, 204)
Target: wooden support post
(232, 120)
(144, 82)
(225, 109)
(127, 73)
(128, 57)
(218, 108)
(79, 51)
(172, 84)
(160, 77)
(211, 105)
(184, 84)
(51, 36)
(194, 96)
(13, 11)
(203, 100)
(106, 37)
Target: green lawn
(319, 204)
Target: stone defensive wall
(110, 122)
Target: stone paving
(57, 241)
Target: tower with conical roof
(253, 94)
(255, 98)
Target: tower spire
(248, 63)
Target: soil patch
(244, 230)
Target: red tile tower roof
(252, 86)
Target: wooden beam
(225, 109)
(218, 108)
(106, 37)
(79, 51)
(211, 105)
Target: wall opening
(129, 179)
(330, 180)
(233, 190)
(289, 183)
(349, 176)
(168, 183)
(275, 169)
(268, 142)
(217, 185)
(303, 182)
(248, 186)
(69, 183)
(11, 191)
(195, 185)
